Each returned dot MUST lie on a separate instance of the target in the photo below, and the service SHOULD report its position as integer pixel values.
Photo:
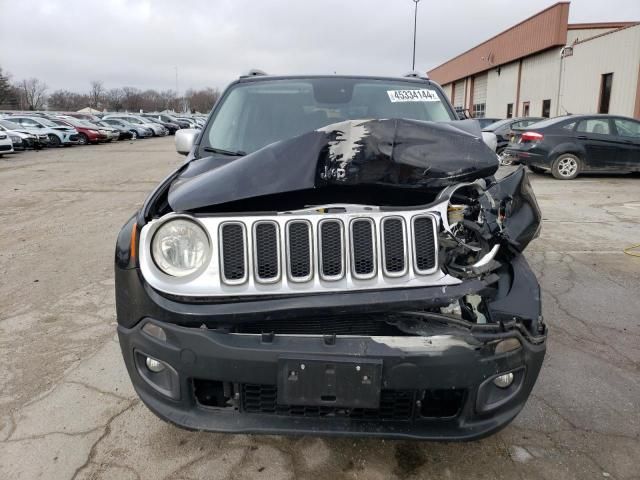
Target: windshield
(253, 115)
(496, 125)
(132, 120)
(10, 125)
(45, 122)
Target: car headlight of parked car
(180, 247)
(16, 140)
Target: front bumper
(436, 387)
(412, 379)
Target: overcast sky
(68, 43)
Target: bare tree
(168, 100)
(131, 100)
(64, 100)
(202, 100)
(96, 94)
(33, 94)
(115, 98)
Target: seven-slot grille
(394, 243)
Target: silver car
(137, 130)
(158, 130)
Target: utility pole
(177, 96)
(415, 27)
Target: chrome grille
(331, 245)
(233, 252)
(363, 256)
(394, 248)
(309, 251)
(299, 249)
(424, 256)
(266, 251)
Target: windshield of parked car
(492, 127)
(10, 125)
(45, 122)
(131, 120)
(253, 115)
(60, 123)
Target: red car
(87, 132)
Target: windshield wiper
(221, 151)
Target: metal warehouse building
(545, 66)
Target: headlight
(16, 139)
(180, 247)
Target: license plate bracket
(329, 381)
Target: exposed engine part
(475, 301)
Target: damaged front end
(365, 278)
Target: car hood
(397, 153)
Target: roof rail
(416, 74)
(254, 72)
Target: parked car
(157, 129)
(122, 132)
(299, 275)
(34, 138)
(6, 145)
(575, 144)
(21, 141)
(58, 135)
(171, 127)
(165, 117)
(81, 116)
(136, 130)
(190, 122)
(503, 129)
(484, 122)
(87, 132)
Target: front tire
(83, 140)
(54, 140)
(566, 167)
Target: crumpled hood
(392, 153)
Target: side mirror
(185, 140)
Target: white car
(32, 136)
(6, 145)
(20, 140)
(58, 135)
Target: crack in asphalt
(107, 431)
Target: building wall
(574, 35)
(501, 89)
(617, 52)
(546, 29)
(540, 75)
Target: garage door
(458, 100)
(479, 106)
(480, 89)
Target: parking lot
(67, 409)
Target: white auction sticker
(418, 95)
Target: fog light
(157, 366)
(503, 381)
